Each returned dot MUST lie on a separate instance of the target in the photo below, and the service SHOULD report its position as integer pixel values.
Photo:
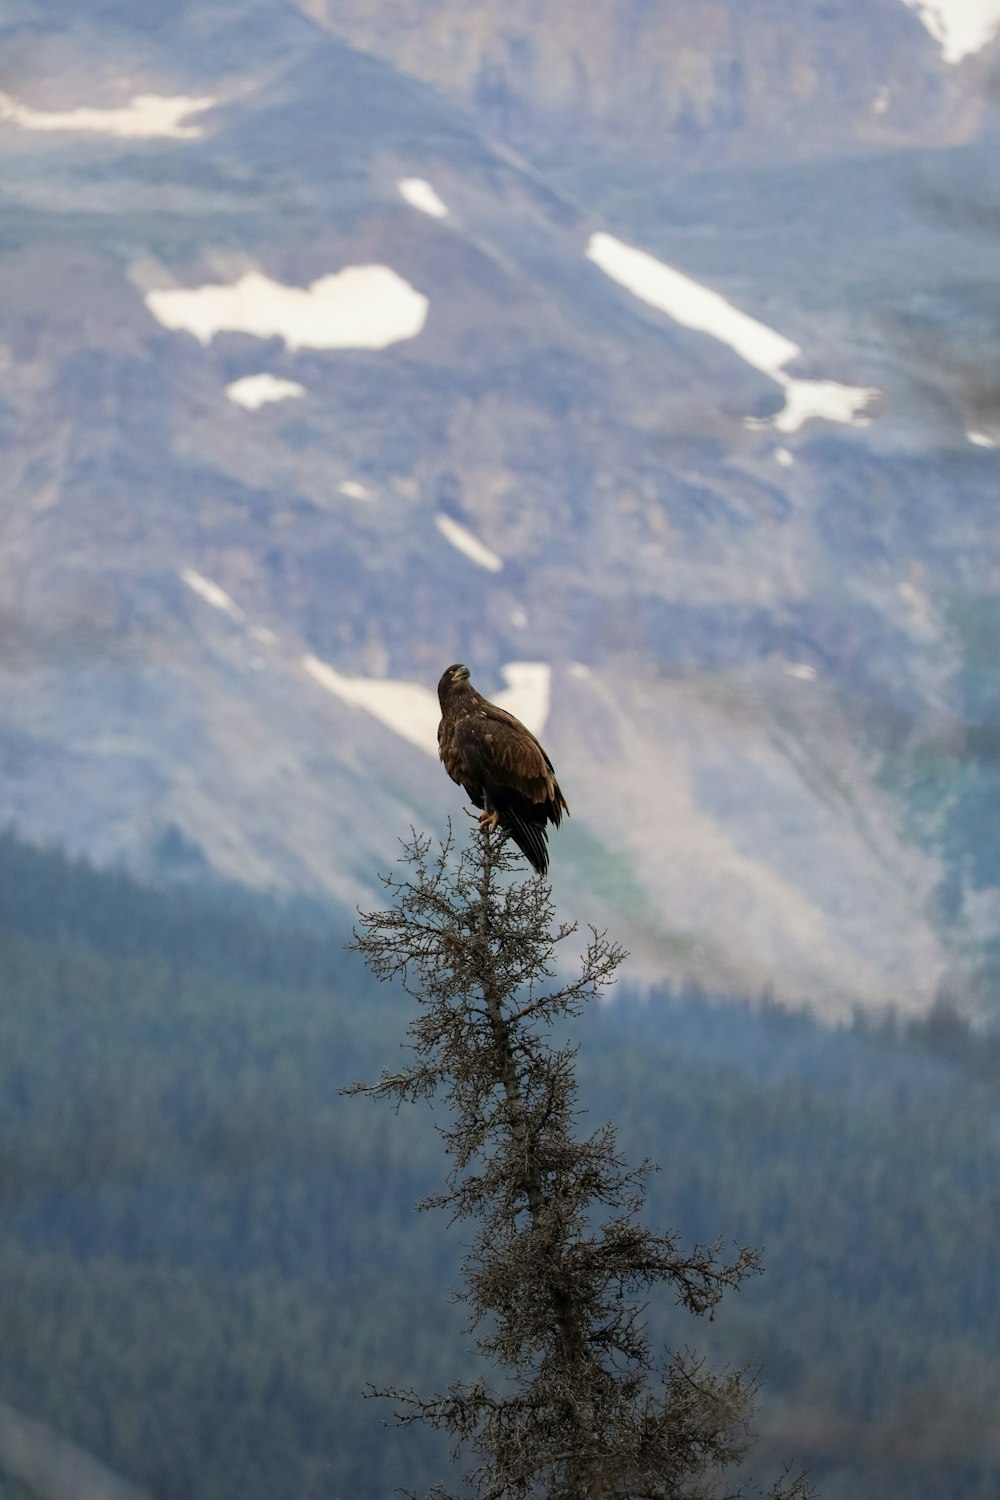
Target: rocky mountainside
(719, 80)
(311, 383)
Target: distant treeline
(206, 1252)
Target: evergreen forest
(207, 1252)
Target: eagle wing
(453, 757)
(498, 753)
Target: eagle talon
(488, 822)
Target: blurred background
(644, 356)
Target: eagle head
(452, 677)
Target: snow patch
(690, 303)
(418, 193)
(361, 307)
(212, 594)
(528, 693)
(466, 542)
(694, 306)
(822, 398)
(412, 711)
(407, 708)
(960, 27)
(253, 391)
(145, 116)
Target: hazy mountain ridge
(732, 615)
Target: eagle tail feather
(530, 838)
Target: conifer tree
(560, 1263)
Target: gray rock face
(716, 81)
(256, 495)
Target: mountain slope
(310, 388)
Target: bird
(500, 764)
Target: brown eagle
(500, 764)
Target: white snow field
(212, 594)
(361, 307)
(144, 117)
(407, 708)
(698, 307)
(960, 27)
(418, 193)
(411, 710)
(254, 391)
(468, 543)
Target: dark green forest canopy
(205, 1252)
